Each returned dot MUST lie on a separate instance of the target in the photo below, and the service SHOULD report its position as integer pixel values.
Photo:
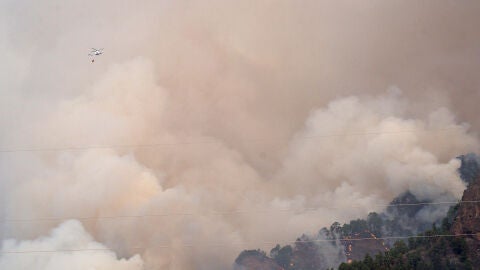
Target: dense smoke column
(255, 106)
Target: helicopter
(95, 52)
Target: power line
(233, 212)
(256, 243)
(154, 145)
(57, 250)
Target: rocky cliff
(467, 220)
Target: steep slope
(430, 252)
(468, 220)
(399, 219)
(356, 245)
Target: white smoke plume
(69, 236)
(200, 124)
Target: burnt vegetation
(359, 244)
(347, 242)
(427, 251)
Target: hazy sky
(252, 104)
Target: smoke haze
(197, 108)
(68, 236)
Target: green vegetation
(415, 253)
(304, 255)
(421, 252)
(282, 256)
(260, 254)
(426, 251)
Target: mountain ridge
(459, 252)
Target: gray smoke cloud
(252, 106)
